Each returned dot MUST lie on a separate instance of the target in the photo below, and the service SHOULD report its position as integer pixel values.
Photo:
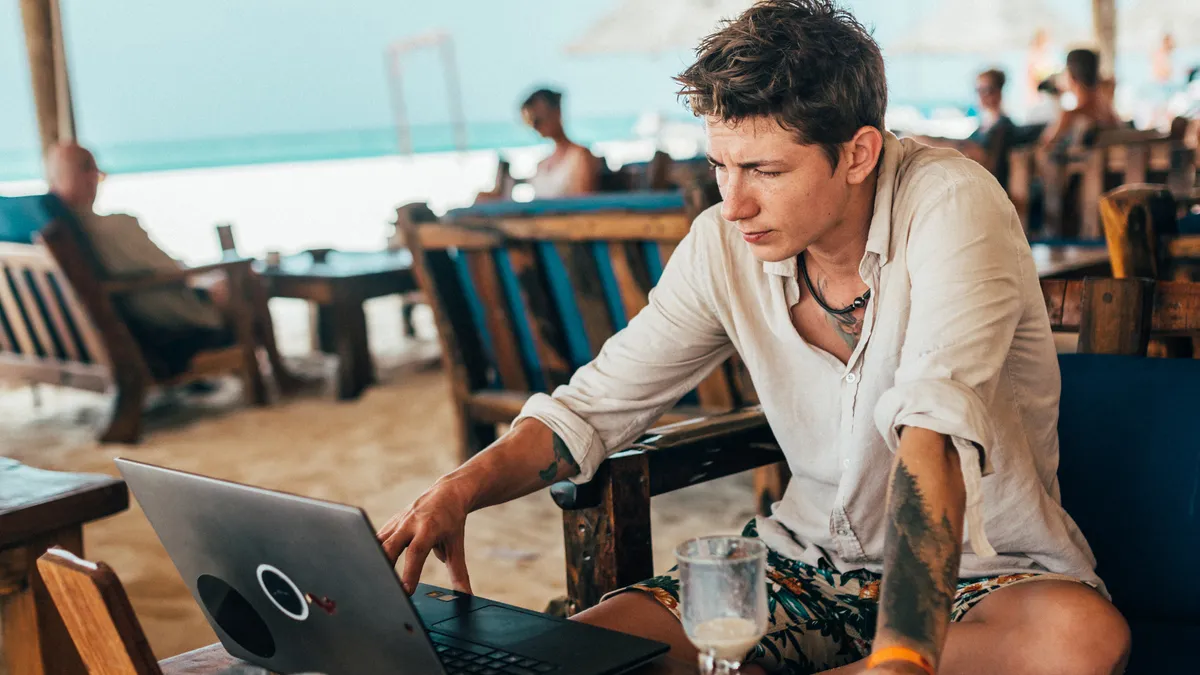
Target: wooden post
(48, 71)
(608, 546)
(1116, 316)
(1104, 22)
(1135, 218)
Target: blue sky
(153, 70)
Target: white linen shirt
(956, 339)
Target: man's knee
(1079, 633)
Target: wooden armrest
(140, 283)
(687, 453)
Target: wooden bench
(39, 510)
(606, 522)
(61, 320)
(1072, 187)
(524, 295)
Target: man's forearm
(526, 459)
(923, 545)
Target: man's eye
(767, 174)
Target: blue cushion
(667, 200)
(1129, 435)
(23, 217)
(1082, 243)
(1162, 647)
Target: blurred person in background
(570, 170)
(989, 144)
(1093, 111)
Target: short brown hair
(809, 64)
(996, 77)
(1084, 67)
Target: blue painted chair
(524, 294)
(46, 336)
(61, 319)
(1129, 467)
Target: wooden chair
(1072, 187)
(606, 522)
(523, 295)
(63, 321)
(1147, 231)
(96, 611)
(39, 510)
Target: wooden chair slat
(15, 313)
(584, 274)
(716, 392)
(33, 311)
(542, 317)
(598, 226)
(666, 250)
(482, 269)
(633, 279)
(93, 605)
(472, 369)
(436, 237)
(89, 335)
(67, 337)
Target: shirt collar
(879, 235)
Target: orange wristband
(893, 654)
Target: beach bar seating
(1127, 428)
(1071, 187)
(62, 322)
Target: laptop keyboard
(464, 658)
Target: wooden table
(39, 510)
(338, 286)
(212, 659)
(1071, 262)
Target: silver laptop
(301, 585)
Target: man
(887, 306)
(172, 322)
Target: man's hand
(435, 523)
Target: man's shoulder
(928, 175)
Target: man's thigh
(1038, 627)
(640, 614)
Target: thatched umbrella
(655, 26)
(992, 27)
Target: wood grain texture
(584, 274)
(496, 316)
(542, 315)
(93, 605)
(1116, 316)
(36, 641)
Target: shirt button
(852, 378)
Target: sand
(379, 452)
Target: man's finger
(414, 562)
(456, 562)
(395, 544)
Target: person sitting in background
(1093, 110)
(571, 169)
(990, 143)
(1047, 104)
(173, 323)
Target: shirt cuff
(954, 410)
(580, 438)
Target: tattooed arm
(925, 508)
(526, 459)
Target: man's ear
(861, 154)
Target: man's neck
(839, 251)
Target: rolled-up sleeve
(965, 270)
(642, 371)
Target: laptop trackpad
(495, 626)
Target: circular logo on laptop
(282, 592)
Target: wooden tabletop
(211, 660)
(33, 501)
(1070, 261)
(338, 264)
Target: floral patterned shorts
(821, 618)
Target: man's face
(780, 194)
(74, 176)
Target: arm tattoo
(562, 455)
(921, 557)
